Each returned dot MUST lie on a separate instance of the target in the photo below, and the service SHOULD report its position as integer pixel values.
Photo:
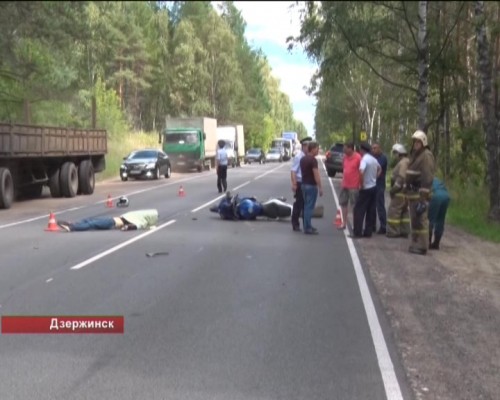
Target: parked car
(145, 163)
(334, 159)
(275, 154)
(255, 155)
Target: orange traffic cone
(52, 226)
(181, 192)
(109, 202)
(338, 219)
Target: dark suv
(334, 159)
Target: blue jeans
(95, 223)
(310, 194)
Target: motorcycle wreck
(249, 208)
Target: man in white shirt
(365, 207)
(296, 177)
(221, 161)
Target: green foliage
(468, 209)
(142, 62)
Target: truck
(190, 142)
(34, 156)
(286, 145)
(294, 137)
(234, 137)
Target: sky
(269, 23)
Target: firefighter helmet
(399, 148)
(420, 135)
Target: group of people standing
(418, 200)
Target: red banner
(62, 324)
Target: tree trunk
(490, 123)
(423, 65)
(27, 111)
(447, 138)
(94, 111)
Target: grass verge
(468, 210)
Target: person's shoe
(296, 229)
(367, 235)
(64, 226)
(311, 232)
(417, 251)
(381, 231)
(314, 229)
(434, 246)
(355, 236)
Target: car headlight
(150, 165)
(123, 166)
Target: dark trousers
(438, 207)
(298, 207)
(365, 211)
(222, 178)
(382, 215)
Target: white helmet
(399, 148)
(420, 135)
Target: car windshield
(253, 151)
(184, 137)
(143, 154)
(274, 151)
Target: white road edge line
(235, 188)
(120, 246)
(391, 384)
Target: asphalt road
(235, 310)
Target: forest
(388, 68)
(126, 66)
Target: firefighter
(398, 220)
(418, 186)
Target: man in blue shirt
(296, 176)
(380, 202)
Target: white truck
(234, 137)
(285, 145)
(294, 137)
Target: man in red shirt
(350, 181)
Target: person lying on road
(133, 220)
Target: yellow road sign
(363, 136)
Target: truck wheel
(168, 173)
(86, 177)
(55, 183)
(6, 188)
(69, 179)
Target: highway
(231, 310)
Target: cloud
(272, 21)
(294, 78)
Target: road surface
(235, 310)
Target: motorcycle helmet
(122, 202)
(246, 209)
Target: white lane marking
(49, 280)
(235, 188)
(217, 198)
(24, 221)
(268, 172)
(121, 245)
(391, 384)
